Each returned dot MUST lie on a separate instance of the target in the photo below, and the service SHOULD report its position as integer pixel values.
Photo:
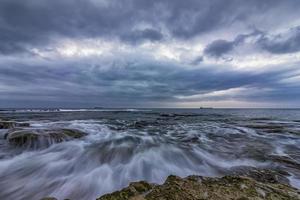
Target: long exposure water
(128, 145)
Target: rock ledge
(197, 187)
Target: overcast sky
(149, 53)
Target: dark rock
(7, 124)
(39, 138)
(197, 187)
(49, 198)
(261, 119)
(261, 175)
(22, 124)
(290, 162)
(12, 124)
(142, 124)
(167, 115)
(134, 190)
(268, 128)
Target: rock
(290, 162)
(268, 128)
(135, 189)
(7, 124)
(39, 138)
(260, 119)
(22, 124)
(261, 175)
(142, 124)
(197, 187)
(12, 124)
(167, 115)
(51, 198)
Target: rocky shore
(239, 182)
(20, 134)
(197, 187)
(264, 185)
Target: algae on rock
(197, 187)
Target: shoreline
(264, 185)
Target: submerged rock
(197, 187)
(39, 138)
(268, 128)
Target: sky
(149, 53)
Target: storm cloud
(282, 43)
(148, 53)
(28, 23)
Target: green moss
(134, 190)
(196, 188)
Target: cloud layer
(140, 53)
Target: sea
(125, 145)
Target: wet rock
(49, 198)
(290, 162)
(197, 187)
(260, 119)
(167, 115)
(134, 191)
(261, 175)
(142, 124)
(268, 128)
(7, 124)
(12, 124)
(294, 131)
(22, 124)
(39, 138)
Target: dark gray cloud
(281, 43)
(26, 24)
(142, 35)
(219, 47)
(134, 83)
(197, 60)
(288, 42)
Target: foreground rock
(197, 187)
(40, 138)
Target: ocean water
(125, 145)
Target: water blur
(130, 145)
